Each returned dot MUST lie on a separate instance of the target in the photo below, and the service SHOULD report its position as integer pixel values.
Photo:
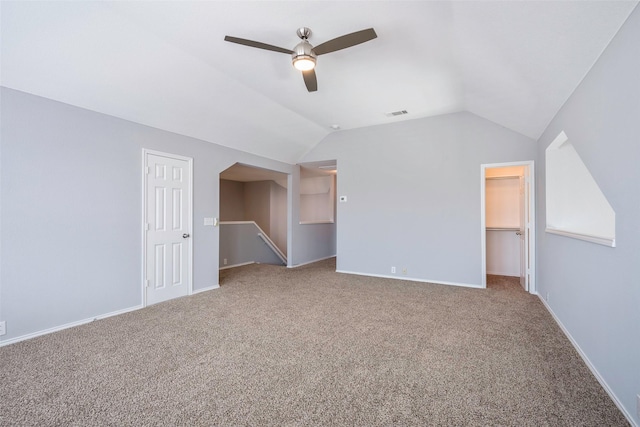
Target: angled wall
(593, 290)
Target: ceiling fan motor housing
(303, 56)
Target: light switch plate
(208, 221)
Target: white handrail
(264, 236)
(273, 247)
(600, 240)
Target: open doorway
(253, 216)
(316, 217)
(508, 212)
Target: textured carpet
(308, 346)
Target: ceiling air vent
(396, 113)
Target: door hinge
(146, 283)
(147, 170)
(146, 226)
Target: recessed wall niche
(576, 207)
(317, 196)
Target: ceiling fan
(304, 54)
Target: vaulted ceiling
(166, 64)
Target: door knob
(185, 235)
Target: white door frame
(532, 226)
(144, 281)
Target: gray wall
(231, 200)
(257, 204)
(594, 290)
(279, 216)
(71, 210)
(413, 192)
(240, 244)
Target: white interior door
(525, 229)
(168, 225)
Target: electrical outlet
(224, 261)
(393, 270)
(3, 327)
(546, 297)
(404, 271)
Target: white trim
(483, 227)
(189, 160)
(311, 262)
(68, 325)
(143, 234)
(590, 365)
(208, 288)
(168, 155)
(507, 274)
(237, 265)
(533, 286)
(236, 222)
(328, 221)
(605, 241)
(530, 164)
(491, 178)
(412, 279)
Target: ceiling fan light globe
(304, 63)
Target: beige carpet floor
(308, 346)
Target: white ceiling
(165, 64)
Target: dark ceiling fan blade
(345, 41)
(259, 45)
(310, 80)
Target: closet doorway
(508, 213)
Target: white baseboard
(311, 262)
(84, 321)
(590, 365)
(412, 279)
(208, 288)
(236, 265)
(510, 274)
(68, 325)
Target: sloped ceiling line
(166, 65)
